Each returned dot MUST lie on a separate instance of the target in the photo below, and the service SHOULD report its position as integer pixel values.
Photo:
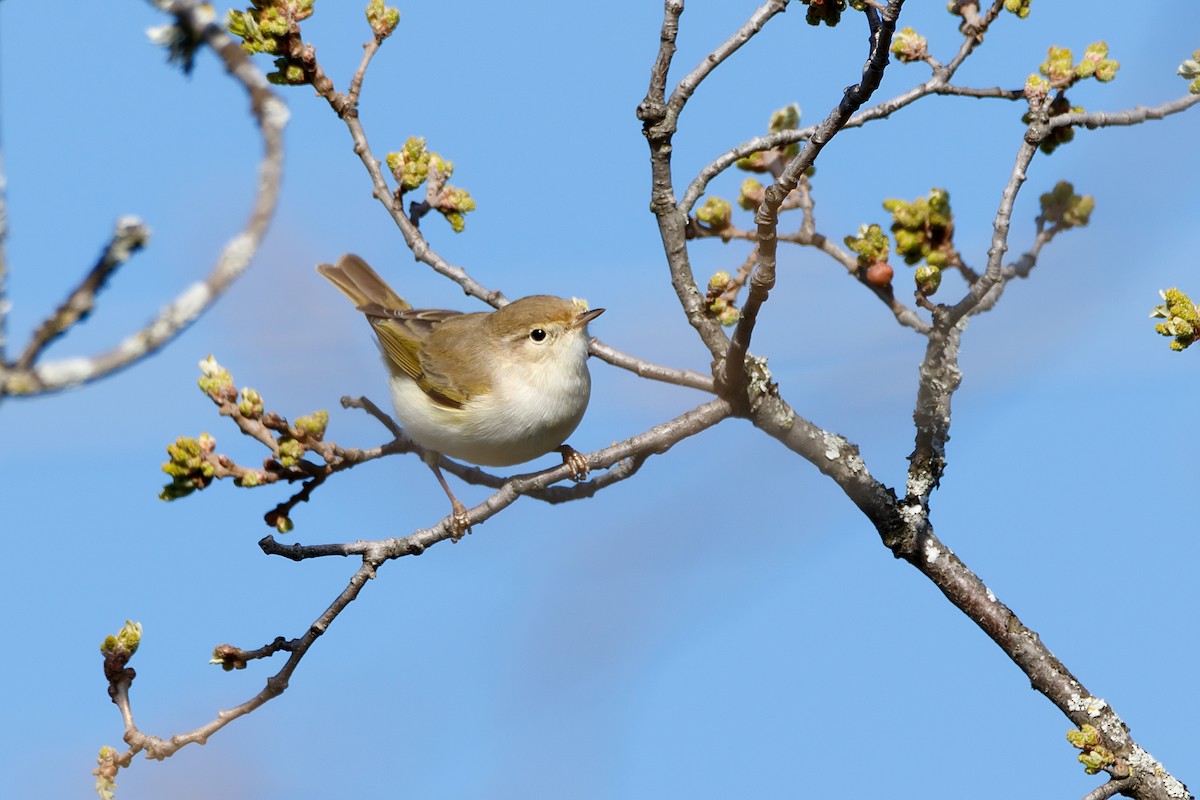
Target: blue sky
(726, 624)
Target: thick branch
(940, 377)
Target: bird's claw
(576, 461)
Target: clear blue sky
(727, 624)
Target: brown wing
(403, 336)
(455, 340)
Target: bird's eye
(537, 334)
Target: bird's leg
(459, 525)
(576, 461)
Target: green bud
(125, 642)
(251, 404)
(459, 200)
(928, 279)
(751, 194)
(1037, 88)
(441, 166)
(871, 244)
(1096, 63)
(755, 162)
(314, 425)
(410, 165)
(1190, 70)
(383, 20)
(1062, 207)
(1059, 67)
(1096, 759)
(1086, 736)
(785, 119)
(290, 451)
(922, 227)
(909, 46)
(215, 380)
(715, 214)
(719, 282)
(1018, 7)
(249, 480)
(1182, 318)
(287, 73)
(284, 524)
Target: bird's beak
(587, 316)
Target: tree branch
(129, 236)
(939, 83)
(731, 373)
(655, 441)
(271, 115)
(159, 749)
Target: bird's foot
(576, 461)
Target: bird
(493, 388)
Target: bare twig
(369, 51)
(157, 748)
(994, 275)
(939, 83)
(659, 124)
(732, 371)
(689, 83)
(654, 441)
(1109, 789)
(129, 236)
(655, 372)
(1131, 116)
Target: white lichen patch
(275, 112)
(932, 551)
(1093, 706)
(833, 449)
(1142, 762)
(66, 372)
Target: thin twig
(733, 368)
(655, 441)
(369, 51)
(646, 369)
(690, 82)
(157, 748)
(939, 83)
(1107, 790)
(129, 236)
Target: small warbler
(494, 388)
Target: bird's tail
(354, 278)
